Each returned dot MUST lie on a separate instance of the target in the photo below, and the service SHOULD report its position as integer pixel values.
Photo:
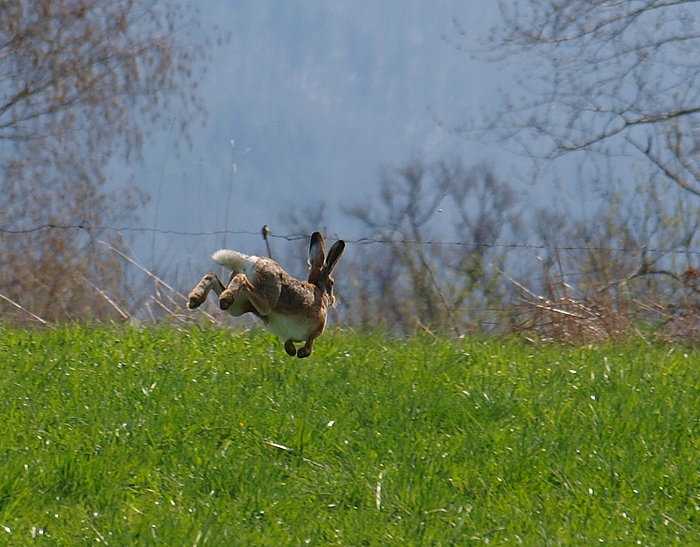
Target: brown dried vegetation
(81, 82)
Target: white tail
(295, 311)
(235, 261)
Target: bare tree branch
(596, 77)
(81, 83)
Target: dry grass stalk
(564, 319)
(27, 312)
(169, 301)
(109, 300)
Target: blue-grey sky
(316, 95)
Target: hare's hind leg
(233, 299)
(259, 299)
(201, 291)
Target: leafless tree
(614, 85)
(625, 270)
(81, 83)
(609, 78)
(408, 277)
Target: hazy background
(308, 100)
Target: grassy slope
(161, 437)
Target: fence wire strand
(360, 241)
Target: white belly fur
(288, 328)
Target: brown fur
(294, 310)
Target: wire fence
(552, 306)
(265, 233)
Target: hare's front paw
(290, 348)
(304, 352)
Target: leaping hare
(293, 310)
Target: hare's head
(320, 266)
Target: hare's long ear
(317, 251)
(334, 255)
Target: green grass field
(121, 436)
